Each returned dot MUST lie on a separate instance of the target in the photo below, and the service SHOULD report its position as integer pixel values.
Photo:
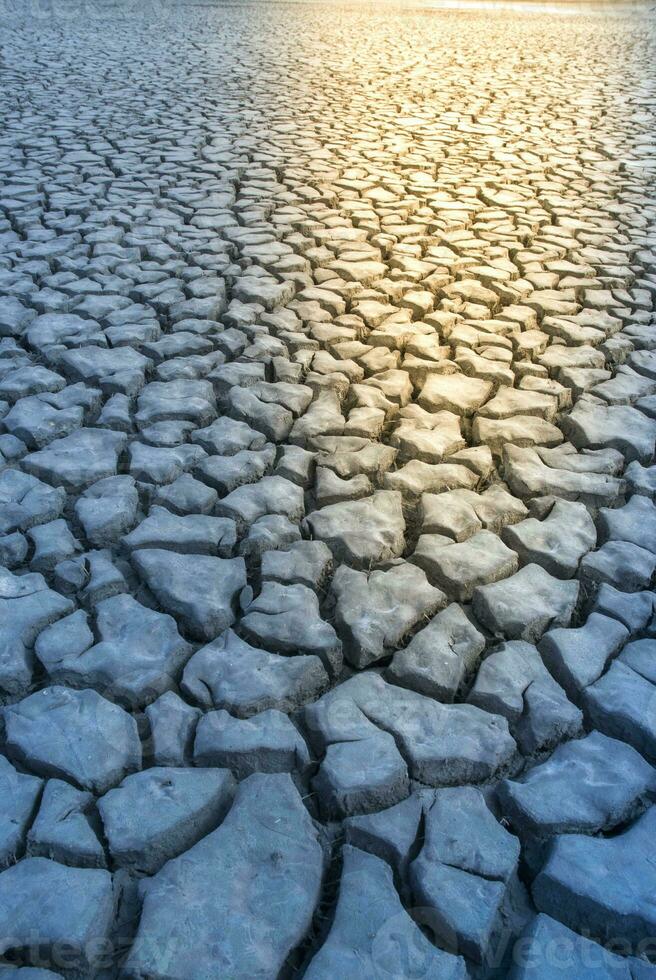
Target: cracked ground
(327, 523)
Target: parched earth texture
(327, 524)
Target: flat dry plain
(327, 428)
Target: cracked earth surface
(328, 415)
